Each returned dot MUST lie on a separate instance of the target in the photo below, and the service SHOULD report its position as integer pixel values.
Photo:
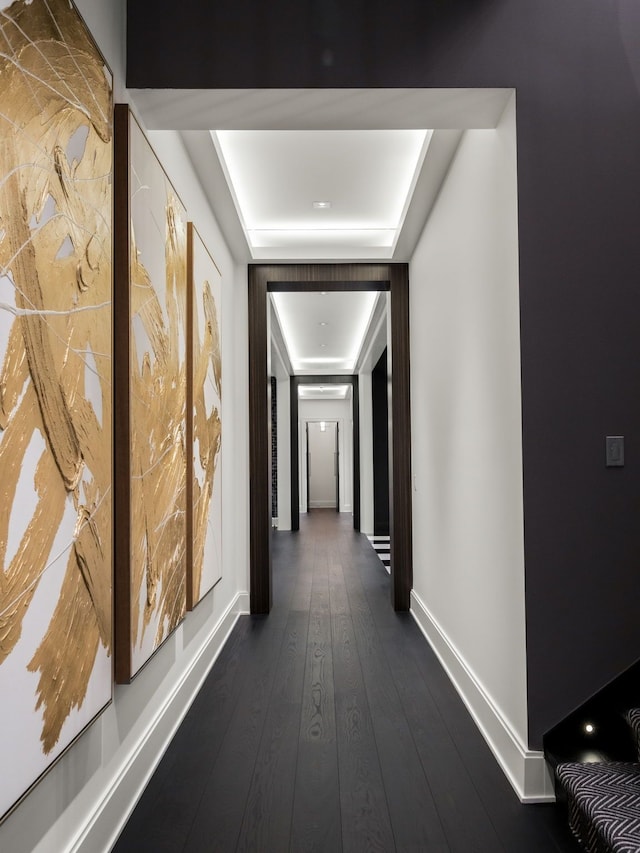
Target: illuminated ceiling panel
(323, 392)
(323, 333)
(329, 193)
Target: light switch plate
(615, 451)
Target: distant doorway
(380, 412)
(310, 277)
(297, 436)
(323, 465)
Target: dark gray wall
(576, 67)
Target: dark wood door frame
(332, 379)
(336, 457)
(330, 277)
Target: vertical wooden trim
(400, 442)
(355, 411)
(189, 417)
(295, 472)
(336, 464)
(259, 449)
(121, 397)
(331, 277)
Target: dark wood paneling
(259, 447)
(313, 278)
(400, 441)
(333, 286)
(121, 405)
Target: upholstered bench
(633, 719)
(604, 805)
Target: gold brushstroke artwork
(55, 386)
(206, 568)
(157, 364)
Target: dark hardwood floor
(330, 726)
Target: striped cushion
(604, 805)
(633, 718)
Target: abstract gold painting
(150, 400)
(55, 387)
(204, 537)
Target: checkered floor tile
(382, 546)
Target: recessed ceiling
(323, 333)
(323, 392)
(195, 112)
(326, 194)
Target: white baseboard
(526, 769)
(106, 821)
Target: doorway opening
(380, 424)
(295, 382)
(322, 465)
(265, 278)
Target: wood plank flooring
(330, 726)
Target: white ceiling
(323, 333)
(323, 392)
(319, 109)
(327, 194)
(301, 146)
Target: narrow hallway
(330, 726)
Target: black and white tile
(382, 547)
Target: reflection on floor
(382, 546)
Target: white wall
(329, 410)
(467, 443)
(365, 413)
(83, 801)
(280, 371)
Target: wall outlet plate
(615, 451)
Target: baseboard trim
(107, 819)
(526, 769)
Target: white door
(323, 464)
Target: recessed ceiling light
(323, 293)
(323, 323)
(321, 205)
(322, 346)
